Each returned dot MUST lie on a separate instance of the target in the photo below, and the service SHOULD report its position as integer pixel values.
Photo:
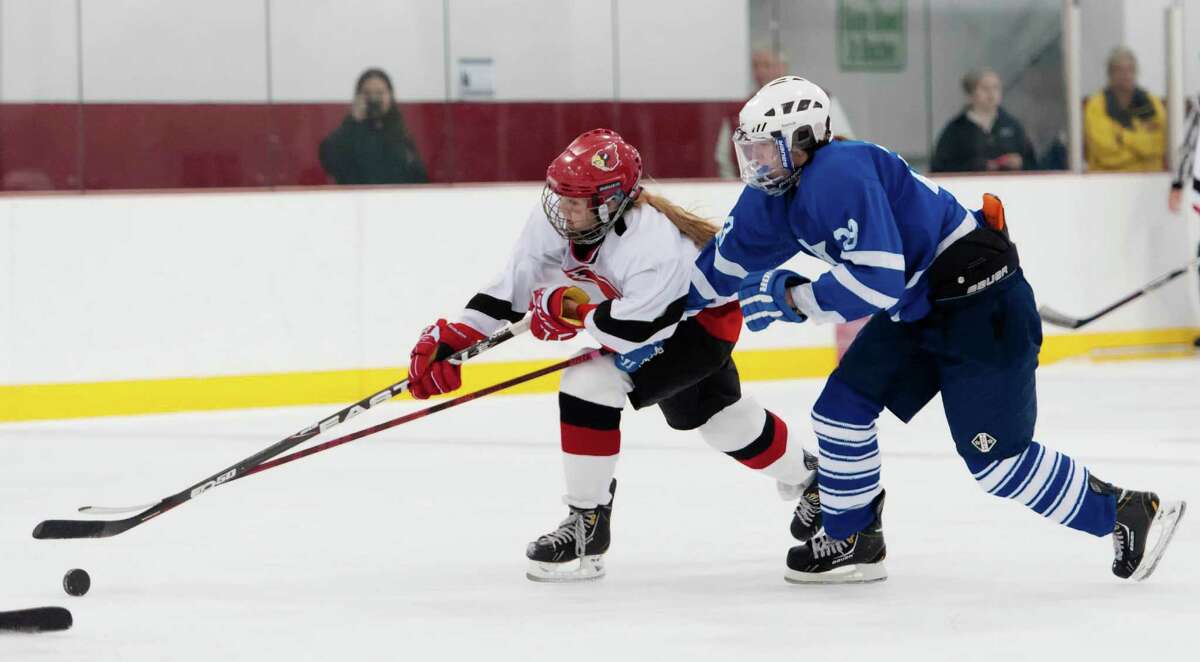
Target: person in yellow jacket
(1124, 126)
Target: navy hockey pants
(980, 352)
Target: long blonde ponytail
(699, 230)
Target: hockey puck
(76, 582)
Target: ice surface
(409, 545)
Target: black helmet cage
(598, 207)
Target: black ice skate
(806, 519)
(854, 560)
(1141, 517)
(575, 550)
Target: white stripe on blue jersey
(702, 285)
(859, 208)
(965, 227)
(880, 259)
(806, 302)
(729, 267)
(846, 278)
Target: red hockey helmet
(603, 170)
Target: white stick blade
(1052, 316)
(107, 510)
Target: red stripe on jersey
(723, 322)
(586, 441)
(776, 448)
(586, 275)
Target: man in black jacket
(983, 137)
(372, 146)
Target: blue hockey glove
(631, 361)
(763, 296)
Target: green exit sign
(871, 35)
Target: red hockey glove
(428, 373)
(548, 322)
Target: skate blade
(585, 569)
(861, 573)
(1165, 521)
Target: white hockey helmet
(787, 113)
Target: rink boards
(153, 302)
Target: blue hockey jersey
(859, 208)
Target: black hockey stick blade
(38, 619)
(1052, 316)
(67, 529)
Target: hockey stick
(317, 428)
(60, 529)
(38, 619)
(587, 356)
(103, 529)
(1052, 316)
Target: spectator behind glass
(1124, 127)
(984, 136)
(766, 65)
(372, 146)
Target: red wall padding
(39, 146)
(137, 146)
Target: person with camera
(372, 145)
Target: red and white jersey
(638, 275)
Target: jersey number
(847, 235)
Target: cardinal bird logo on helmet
(606, 159)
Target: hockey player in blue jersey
(951, 313)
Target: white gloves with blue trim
(764, 298)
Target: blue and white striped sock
(1050, 484)
(847, 475)
(849, 462)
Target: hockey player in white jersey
(601, 255)
(1188, 171)
(951, 313)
